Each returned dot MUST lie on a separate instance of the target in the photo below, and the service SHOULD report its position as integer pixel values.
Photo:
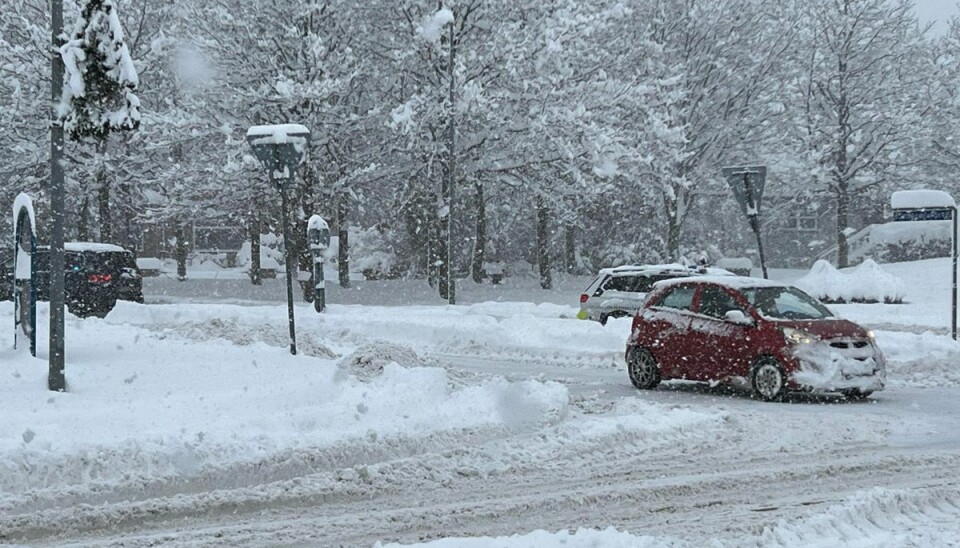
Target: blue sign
(924, 214)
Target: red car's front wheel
(768, 379)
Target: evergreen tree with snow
(98, 93)
(100, 79)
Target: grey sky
(937, 12)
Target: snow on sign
(916, 199)
(280, 148)
(922, 205)
(747, 185)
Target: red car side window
(716, 302)
(679, 297)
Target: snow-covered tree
(292, 61)
(24, 102)
(710, 66)
(864, 107)
(98, 91)
(944, 113)
(100, 79)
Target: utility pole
(451, 161)
(56, 380)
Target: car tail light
(583, 298)
(99, 278)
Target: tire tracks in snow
(694, 501)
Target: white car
(619, 292)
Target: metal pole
(56, 380)
(288, 259)
(319, 286)
(33, 297)
(754, 221)
(953, 316)
(451, 279)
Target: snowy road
(673, 493)
(492, 419)
(741, 466)
(717, 481)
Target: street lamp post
(56, 380)
(280, 149)
(953, 253)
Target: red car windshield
(786, 303)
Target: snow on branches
(433, 24)
(100, 79)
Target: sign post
(931, 205)
(747, 185)
(280, 149)
(318, 236)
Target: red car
(742, 330)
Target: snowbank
(179, 395)
(199, 398)
(866, 283)
(925, 360)
(916, 233)
(902, 241)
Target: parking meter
(318, 237)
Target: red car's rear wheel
(643, 369)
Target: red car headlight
(799, 336)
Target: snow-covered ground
(503, 421)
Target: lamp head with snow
(318, 233)
(280, 148)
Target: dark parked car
(96, 276)
(747, 330)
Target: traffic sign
(747, 185)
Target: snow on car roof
(647, 269)
(97, 247)
(733, 282)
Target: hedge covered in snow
(865, 283)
